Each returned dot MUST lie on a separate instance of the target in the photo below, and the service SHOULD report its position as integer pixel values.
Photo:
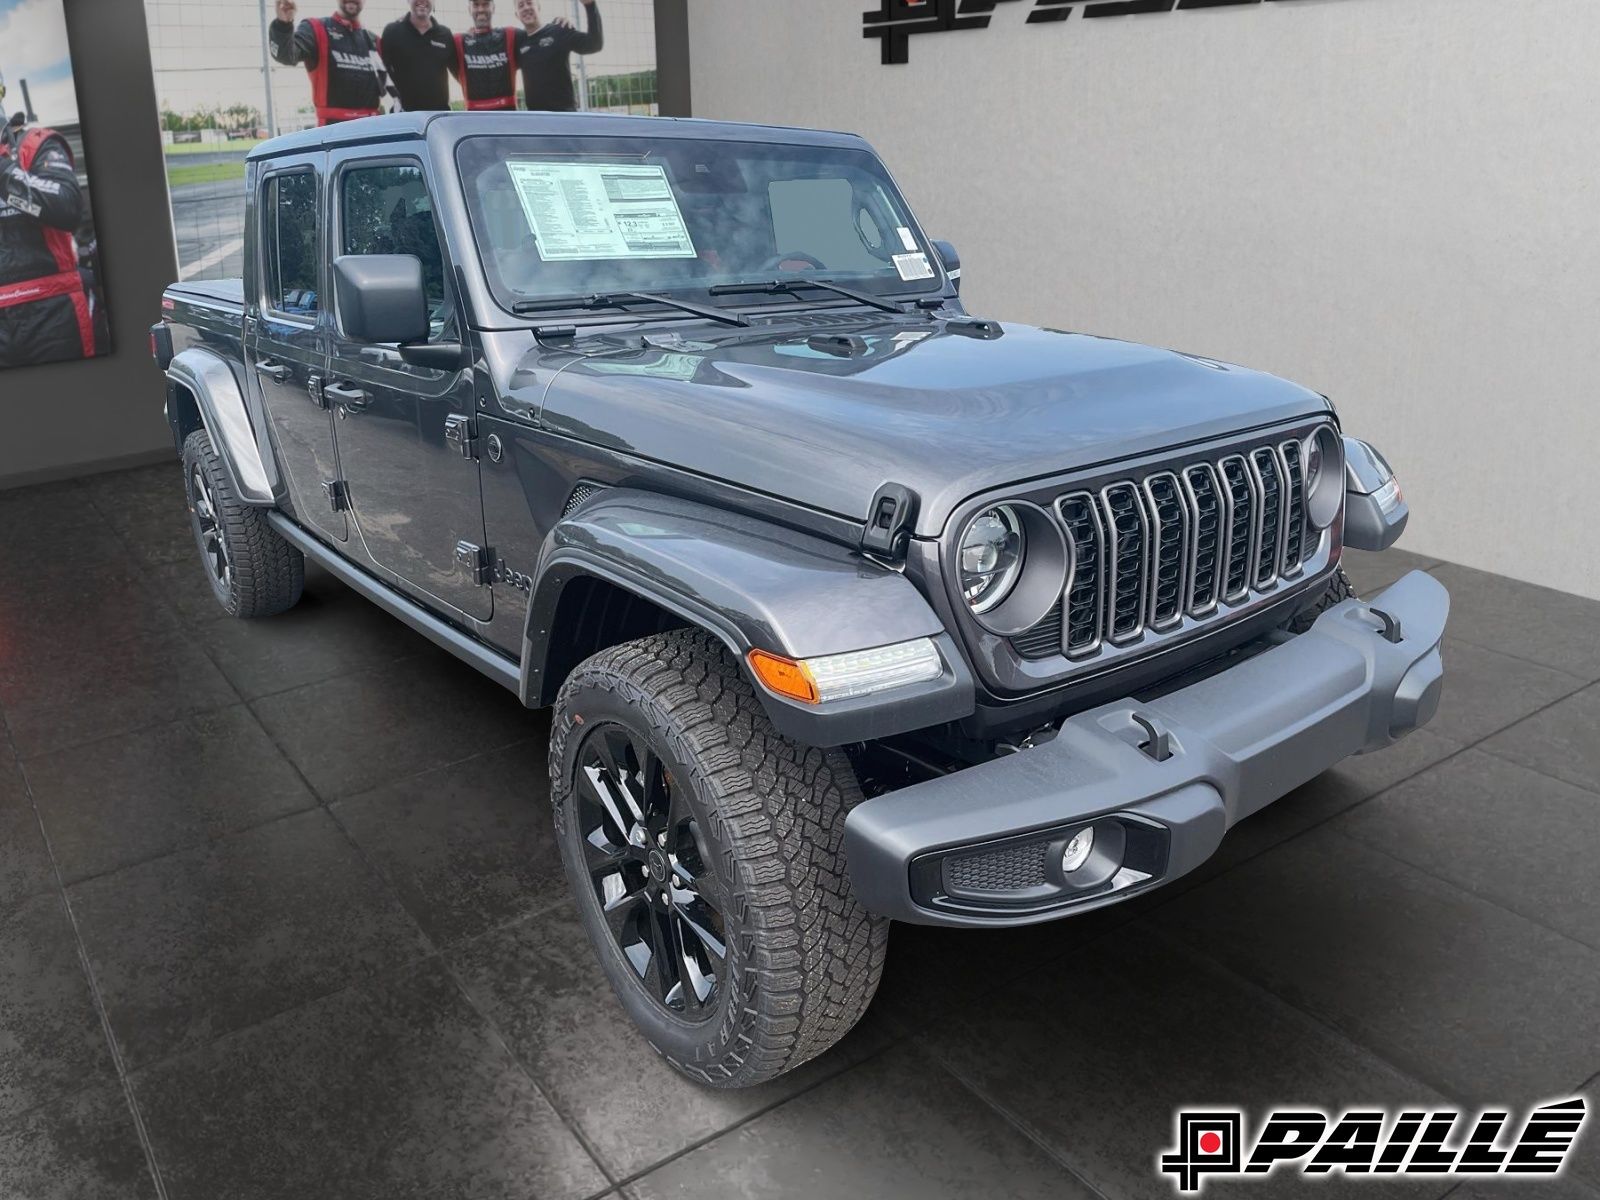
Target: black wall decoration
(897, 21)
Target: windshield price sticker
(600, 210)
(913, 266)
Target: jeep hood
(826, 412)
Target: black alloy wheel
(647, 863)
(208, 532)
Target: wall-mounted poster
(51, 308)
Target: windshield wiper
(774, 286)
(623, 299)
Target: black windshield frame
(730, 163)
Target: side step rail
(501, 668)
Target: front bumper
(1161, 782)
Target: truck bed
(225, 292)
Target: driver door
(404, 431)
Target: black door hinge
(459, 433)
(478, 561)
(314, 386)
(338, 494)
(889, 522)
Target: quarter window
(290, 244)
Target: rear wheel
(252, 570)
(706, 854)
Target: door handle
(276, 372)
(350, 398)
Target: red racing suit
(45, 313)
(343, 60)
(486, 65)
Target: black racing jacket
(545, 57)
(44, 304)
(343, 60)
(484, 67)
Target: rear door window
(289, 245)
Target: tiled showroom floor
(280, 913)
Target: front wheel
(706, 854)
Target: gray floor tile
(83, 1147)
(1485, 691)
(183, 589)
(358, 731)
(1584, 1164)
(88, 691)
(44, 609)
(1521, 839)
(148, 793)
(1333, 792)
(468, 846)
(1570, 1186)
(1371, 572)
(328, 633)
(930, 968)
(1538, 623)
(49, 506)
(24, 861)
(897, 1125)
(155, 529)
(540, 983)
(111, 490)
(51, 1040)
(397, 1091)
(1455, 990)
(1563, 740)
(208, 940)
(1094, 1053)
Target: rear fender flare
(212, 381)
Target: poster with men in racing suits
(51, 309)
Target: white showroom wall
(1396, 202)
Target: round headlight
(1324, 471)
(991, 557)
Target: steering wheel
(777, 260)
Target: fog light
(1078, 850)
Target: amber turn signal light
(784, 676)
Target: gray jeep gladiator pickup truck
(851, 607)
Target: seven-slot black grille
(1128, 533)
(1205, 567)
(1294, 538)
(1169, 531)
(1242, 521)
(1081, 517)
(1270, 483)
(1178, 543)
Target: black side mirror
(381, 297)
(952, 262)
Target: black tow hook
(1158, 742)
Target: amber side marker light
(784, 676)
(849, 675)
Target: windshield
(560, 217)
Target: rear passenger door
(286, 338)
(405, 432)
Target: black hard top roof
(404, 126)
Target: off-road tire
(265, 575)
(803, 956)
(1339, 590)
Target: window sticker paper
(600, 210)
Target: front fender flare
(220, 398)
(754, 585)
